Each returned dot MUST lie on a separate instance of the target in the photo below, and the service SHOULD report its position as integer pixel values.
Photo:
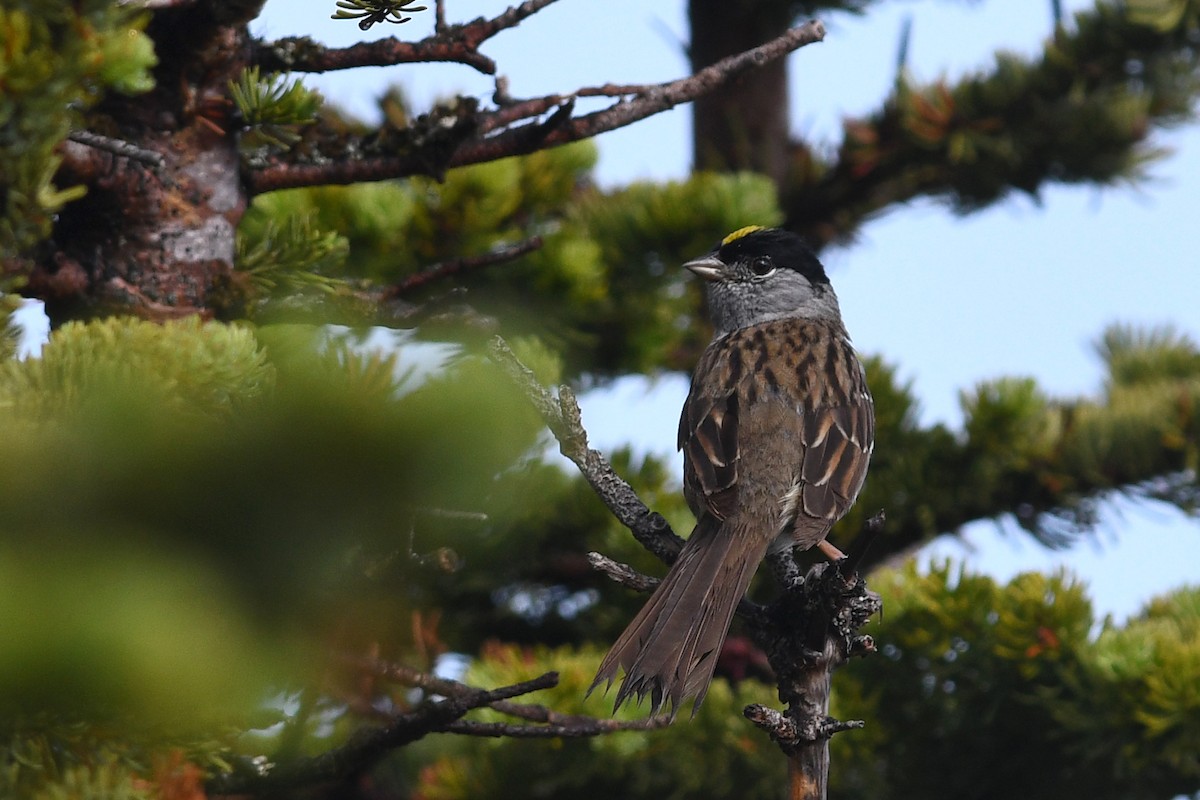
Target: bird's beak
(708, 267)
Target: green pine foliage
(272, 107)
(56, 59)
(198, 367)
(980, 689)
(193, 514)
(1080, 111)
(1050, 462)
(288, 260)
(605, 289)
(996, 691)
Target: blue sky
(1020, 289)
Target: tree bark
(157, 241)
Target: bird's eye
(762, 266)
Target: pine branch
(454, 43)
(807, 633)
(1050, 465)
(481, 142)
(1081, 112)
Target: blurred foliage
(10, 331)
(191, 515)
(57, 57)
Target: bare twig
(562, 417)
(456, 266)
(585, 728)
(439, 17)
(488, 145)
(156, 4)
(862, 543)
(368, 745)
(630, 578)
(623, 574)
(408, 676)
(118, 147)
(452, 43)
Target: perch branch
(562, 417)
(560, 128)
(811, 630)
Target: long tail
(670, 648)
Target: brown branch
(562, 417)
(584, 727)
(623, 574)
(154, 5)
(551, 724)
(409, 676)
(523, 139)
(811, 630)
(450, 43)
(118, 147)
(439, 17)
(511, 111)
(446, 269)
(368, 745)
(303, 54)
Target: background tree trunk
(744, 124)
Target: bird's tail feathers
(670, 649)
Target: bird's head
(757, 274)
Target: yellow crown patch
(740, 232)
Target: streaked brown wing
(838, 442)
(708, 437)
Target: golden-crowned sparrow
(776, 435)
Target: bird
(777, 433)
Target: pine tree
(217, 489)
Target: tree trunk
(742, 125)
(156, 241)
